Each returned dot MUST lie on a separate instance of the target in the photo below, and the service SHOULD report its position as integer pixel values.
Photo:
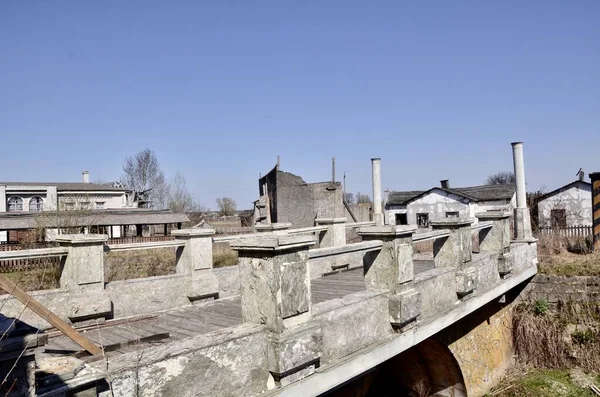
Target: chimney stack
(377, 211)
(86, 176)
(445, 184)
(581, 174)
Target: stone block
(457, 248)
(295, 350)
(405, 307)
(87, 306)
(466, 281)
(206, 284)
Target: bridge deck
(200, 319)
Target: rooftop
(472, 193)
(69, 186)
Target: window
(558, 218)
(99, 205)
(451, 214)
(401, 219)
(85, 205)
(36, 204)
(69, 205)
(423, 220)
(15, 204)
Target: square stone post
(496, 238)
(456, 251)
(83, 269)
(392, 268)
(275, 289)
(274, 228)
(195, 259)
(457, 248)
(335, 236)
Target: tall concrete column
(275, 292)
(522, 221)
(335, 236)
(83, 269)
(195, 259)
(377, 212)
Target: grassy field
(546, 383)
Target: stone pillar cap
(326, 221)
(387, 230)
(452, 222)
(272, 243)
(272, 226)
(198, 231)
(492, 215)
(81, 238)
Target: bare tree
(500, 178)
(362, 198)
(226, 205)
(349, 198)
(180, 199)
(143, 175)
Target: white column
(519, 173)
(377, 212)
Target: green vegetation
(541, 307)
(546, 383)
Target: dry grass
(566, 337)
(124, 265)
(563, 256)
(223, 255)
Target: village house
(106, 208)
(421, 207)
(568, 206)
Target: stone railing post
(497, 238)
(392, 268)
(274, 228)
(456, 251)
(83, 269)
(335, 236)
(195, 259)
(275, 292)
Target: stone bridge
(372, 318)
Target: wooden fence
(137, 239)
(569, 231)
(18, 265)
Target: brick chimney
(445, 184)
(86, 176)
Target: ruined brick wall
(555, 289)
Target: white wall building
(567, 206)
(421, 207)
(20, 197)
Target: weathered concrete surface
(147, 295)
(497, 238)
(353, 322)
(83, 267)
(66, 304)
(335, 236)
(229, 363)
(325, 260)
(229, 280)
(457, 248)
(438, 291)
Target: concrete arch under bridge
(463, 360)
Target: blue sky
(218, 89)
